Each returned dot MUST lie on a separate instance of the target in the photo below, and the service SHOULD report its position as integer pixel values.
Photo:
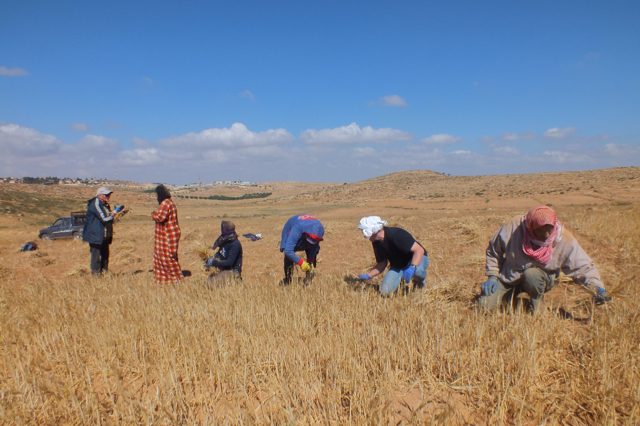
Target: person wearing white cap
(406, 257)
(98, 230)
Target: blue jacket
(295, 228)
(99, 225)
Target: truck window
(59, 222)
(79, 220)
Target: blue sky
(316, 91)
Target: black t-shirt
(396, 247)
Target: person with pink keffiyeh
(527, 255)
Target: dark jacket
(228, 257)
(99, 225)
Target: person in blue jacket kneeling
(300, 232)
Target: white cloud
(353, 134)
(441, 139)
(236, 152)
(559, 133)
(19, 140)
(80, 127)
(511, 137)
(393, 101)
(140, 143)
(28, 152)
(365, 151)
(560, 156)
(12, 72)
(236, 136)
(514, 137)
(613, 149)
(628, 153)
(140, 156)
(248, 94)
(505, 150)
(96, 143)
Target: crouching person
(228, 260)
(396, 247)
(303, 232)
(527, 255)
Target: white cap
(103, 190)
(370, 225)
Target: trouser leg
(94, 263)
(288, 270)
(420, 277)
(311, 251)
(535, 282)
(494, 300)
(390, 282)
(104, 257)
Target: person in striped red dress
(165, 255)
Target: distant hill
(426, 185)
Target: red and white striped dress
(165, 255)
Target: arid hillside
(122, 349)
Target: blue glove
(408, 273)
(364, 277)
(490, 286)
(601, 297)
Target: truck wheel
(45, 237)
(77, 235)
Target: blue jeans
(391, 280)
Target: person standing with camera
(98, 230)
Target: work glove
(364, 277)
(408, 273)
(304, 265)
(601, 297)
(490, 286)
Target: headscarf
(227, 233)
(162, 193)
(535, 218)
(370, 225)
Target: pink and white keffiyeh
(537, 217)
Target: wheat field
(123, 350)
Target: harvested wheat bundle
(203, 252)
